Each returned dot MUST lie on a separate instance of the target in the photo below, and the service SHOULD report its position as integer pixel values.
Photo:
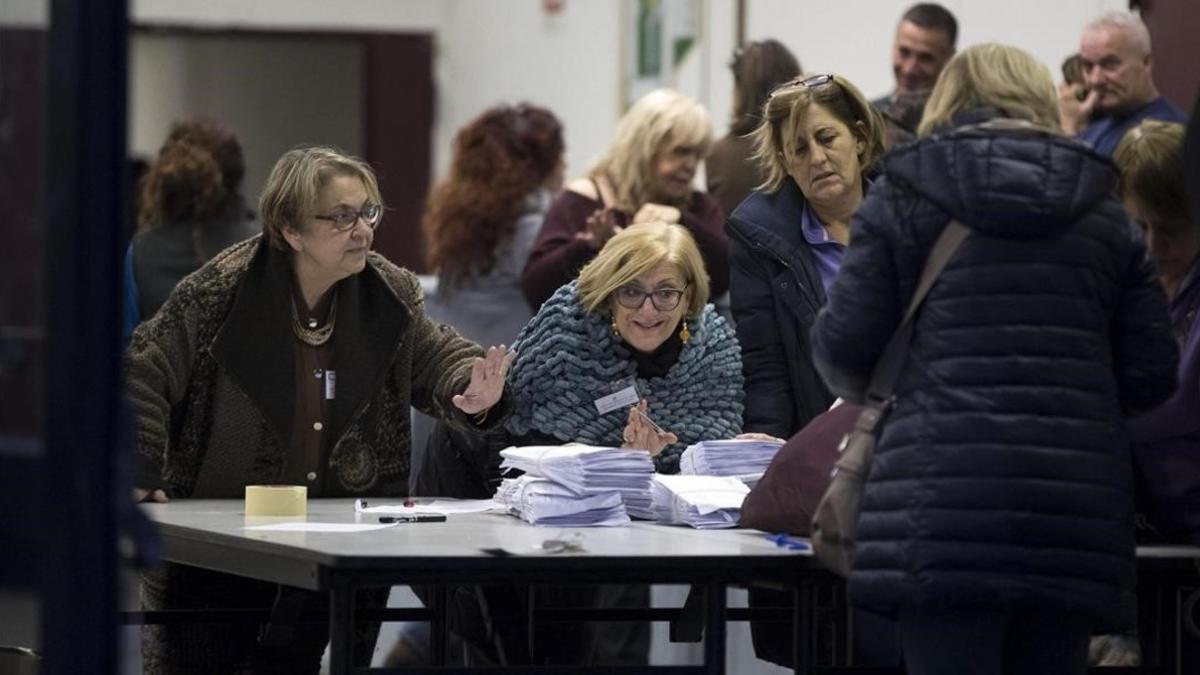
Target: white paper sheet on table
(590, 470)
(319, 527)
(700, 501)
(541, 501)
(444, 507)
(732, 457)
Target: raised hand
(600, 227)
(656, 213)
(643, 434)
(487, 381)
(1073, 113)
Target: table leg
(341, 626)
(437, 625)
(714, 630)
(802, 644)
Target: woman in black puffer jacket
(997, 518)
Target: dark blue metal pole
(85, 197)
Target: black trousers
(994, 642)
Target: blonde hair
(992, 75)
(1153, 172)
(654, 123)
(289, 198)
(784, 112)
(635, 251)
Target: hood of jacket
(1004, 177)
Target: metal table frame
(222, 546)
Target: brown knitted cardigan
(210, 377)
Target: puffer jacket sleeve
(769, 393)
(863, 309)
(1145, 355)
(158, 367)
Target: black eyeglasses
(344, 221)
(663, 299)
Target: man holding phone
(1114, 54)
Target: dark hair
(499, 158)
(183, 183)
(219, 141)
(757, 68)
(932, 16)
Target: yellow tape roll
(276, 500)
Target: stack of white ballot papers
(746, 459)
(704, 502)
(590, 470)
(541, 501)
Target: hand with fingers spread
(600, 227)
(643, 434)
(487, 381)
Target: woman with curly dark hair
(191, 208)
(480, 224)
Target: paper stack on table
(541, 501)
(746, 459)
(590, 470)
(704, 502)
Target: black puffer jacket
(1002, 478)
(775, 292)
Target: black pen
(414, 518)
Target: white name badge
(330, 385)
(623, 398)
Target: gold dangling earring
(684, 334)
(615, 332)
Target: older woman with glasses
(290, 358)
(635, 323)
(645, 176)
(636, 319)
(817, 140)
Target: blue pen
(791, 543)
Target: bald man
(1117, 69)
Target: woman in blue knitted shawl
(630, 345)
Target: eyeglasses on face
(663, 299)
(345, 220)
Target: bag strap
(887, 369)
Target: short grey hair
(1130, 23)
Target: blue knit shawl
(567, 358)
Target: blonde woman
(638, 316)
(637, 321)
(646, 175)
(290, 358)
(997, 521)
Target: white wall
(25, 13)
(274, 92)
(855, 38)
(491, 51)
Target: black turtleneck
(660, 361)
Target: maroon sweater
(557, 255)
